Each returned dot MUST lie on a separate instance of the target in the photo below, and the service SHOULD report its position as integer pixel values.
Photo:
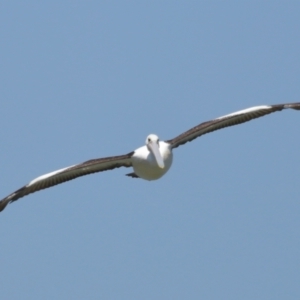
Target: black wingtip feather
(3, 204)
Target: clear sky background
(89, 79)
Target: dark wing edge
(229, 120)
(66, 174)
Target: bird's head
(152, 143)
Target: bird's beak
(155, 151)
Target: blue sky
(89, 79)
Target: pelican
(149, 162)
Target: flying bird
(149, 162)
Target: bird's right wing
(69, 173)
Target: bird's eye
(149, 140)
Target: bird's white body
(145, 165)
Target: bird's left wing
(69, 173)
(235, 118)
